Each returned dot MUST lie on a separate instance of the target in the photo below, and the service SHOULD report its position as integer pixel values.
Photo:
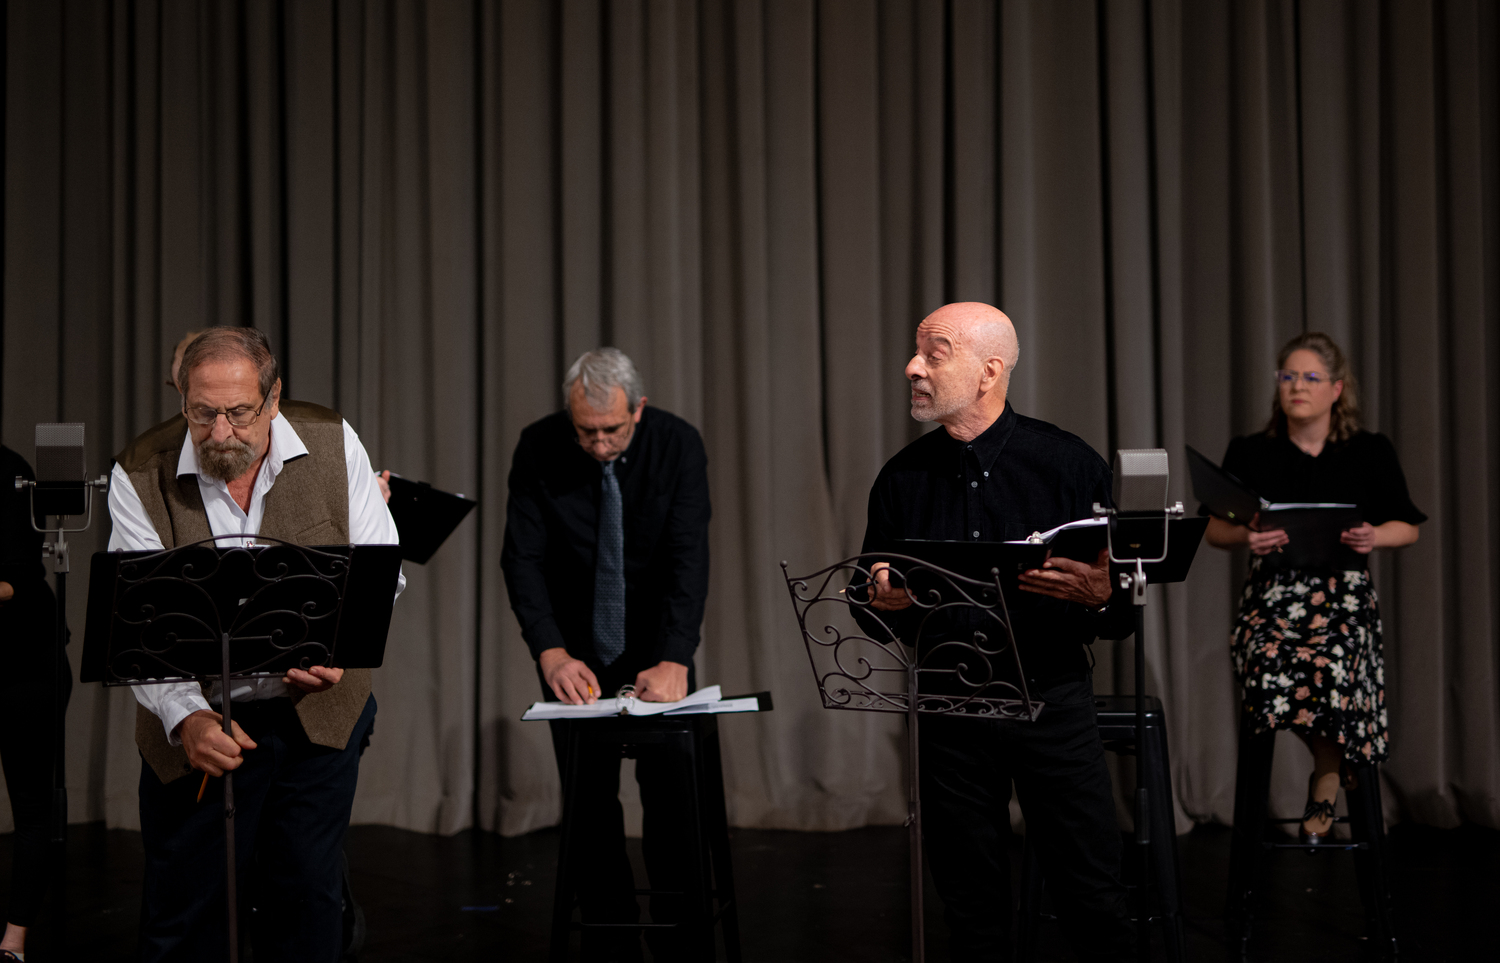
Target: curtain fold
(432, 208)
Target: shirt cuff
(679, 650)
(173, 707)
(543, 635)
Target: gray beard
(934, 409)
(224, 461)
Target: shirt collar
(286, 445)
(990, 442)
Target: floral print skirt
(1306, 648)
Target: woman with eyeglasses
(1306, 642)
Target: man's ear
(639, 407)
(275, 405)
(994, 370)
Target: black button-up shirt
(551, 534)
(1363, 470)
(1019, 476)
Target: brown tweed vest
(308, 505)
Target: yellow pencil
(202, 786)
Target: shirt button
(973, 484)
(976, 534)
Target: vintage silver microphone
(1138, 536)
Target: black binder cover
(1225, 495)
(425, 516)
(357, 639)
(1313, 537)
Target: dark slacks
(28, 694)
(1057, 767)
(599, 825)
(292, 803)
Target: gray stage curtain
(432, 208)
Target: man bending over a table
(606, 564)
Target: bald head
(965, 355)
(982, 332)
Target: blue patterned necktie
(609, 572)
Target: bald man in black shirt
(991, 474)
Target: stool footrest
(1288, 822)
(1341, 846)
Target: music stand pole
(232, 899)
(914, 816)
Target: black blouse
(1362, 470)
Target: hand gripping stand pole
(215, 614)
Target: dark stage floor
(809, 897)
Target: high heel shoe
(1316, 809)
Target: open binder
(1081, 541)
(1312, 528)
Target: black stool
(1116, 715)
(694, 738)
(1366, 825)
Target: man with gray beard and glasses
(240, 461)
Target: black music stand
(206, 613)
(961, 660)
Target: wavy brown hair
(1343, 420)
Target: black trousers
(599, 825)
(1057, 767)
(28, 694)
(292, 802)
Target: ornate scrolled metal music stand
(951, 653)
(214, 614)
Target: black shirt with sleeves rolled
(551, 534)
(1362, 470)
(1019, 476)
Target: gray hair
(600, 372)
(230, 343)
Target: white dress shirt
(370, 523)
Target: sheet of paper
(1050, 533)
(751, 704)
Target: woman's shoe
(1316, 809)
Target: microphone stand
(1134, 581)
(57, 550)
